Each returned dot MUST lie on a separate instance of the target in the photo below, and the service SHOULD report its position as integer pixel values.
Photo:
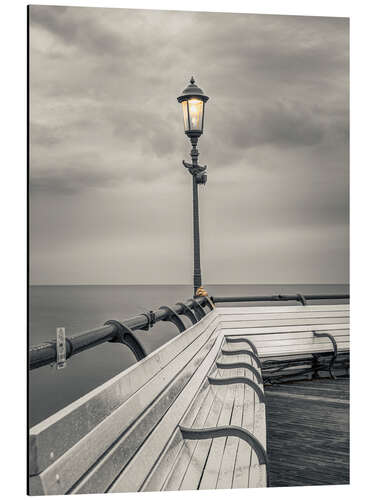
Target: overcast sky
(110, 201)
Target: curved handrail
(334, 355)
(242, 351)
(241, 339)
(239, 364)
(224, 431)
(238, 380)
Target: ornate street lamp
(193, 103)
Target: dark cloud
(68, 180)
(106, 144)
(79, 29)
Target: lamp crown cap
(192, 90)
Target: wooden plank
(76, 420)
(308, 440)
(298, 349)
(298, 341)
(196, 465)
(132, 476)
(165, 464)
(254, 421)
(226, 473)
(258, 476)
(300, 314)
(162, 468)
(247, 322)
(197, 462)
(236, 458)
(284, 336)
(176, 475)
(278, 309)
(243, 457)
(211, 471)
(74, 463)
(242, 331)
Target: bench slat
(165, 464)
(299, 341)
(299, 349)
(219, 396)
(286, 336)
(211, 470)
(300, 314)
(243, 331)
(182, 460)
(195, 468)
(227, 468)
(249, 323)
(282, 309)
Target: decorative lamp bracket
(197, 171)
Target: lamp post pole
(197, 276)
(193, 101)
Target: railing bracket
(198, 309)
(173, 317)
(126, 336)
(187, 312)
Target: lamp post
(193, 103)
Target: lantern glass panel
(186, 116)
(195, 114)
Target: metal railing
(123, 331)
(277, 298)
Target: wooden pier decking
(308, 433)
(191, 415)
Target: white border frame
(13, 248)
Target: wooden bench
(290, 332)
(191, 415)
(170, 421)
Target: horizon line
(181, 284)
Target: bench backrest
(283, 331)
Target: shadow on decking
(308, 433)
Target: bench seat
(218, 462)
